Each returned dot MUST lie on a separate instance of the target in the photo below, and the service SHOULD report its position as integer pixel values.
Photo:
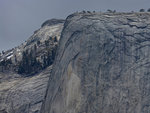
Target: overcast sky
(20, 18)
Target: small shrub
(50, 38)
(148, 10)
(114, 11)
(88, 12)
(38, 42)
(55, 39)
(84, 11)
(110, 11)
(46, 43)
(142, 10)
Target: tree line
(30, 64)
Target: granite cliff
(102, 65)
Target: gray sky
(20, 18)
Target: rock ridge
(52, 22)
(21, 92)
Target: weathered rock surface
(20, 94)
(50, 29)
(40, 43)
(102, 65)
(52, 22)
(23, 95)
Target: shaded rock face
(102, 65)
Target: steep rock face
(102, 65)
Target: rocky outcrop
(52, 22)
(23, 94)
(40, 44)
(102, 65)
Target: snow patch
(9, 56)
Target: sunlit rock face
(43, 40)
(21, 93)
(102, 65)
